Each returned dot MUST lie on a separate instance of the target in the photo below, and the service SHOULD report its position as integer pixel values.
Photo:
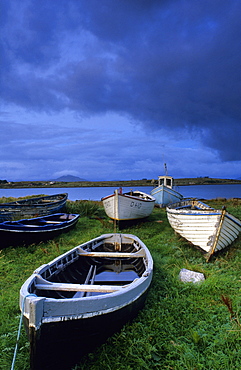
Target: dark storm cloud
(172, 65)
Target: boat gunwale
(206, 211)
(127, 195)
(136, 198)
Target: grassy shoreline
(182, 326)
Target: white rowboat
(208, 228)
(128, 206)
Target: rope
(19, 330)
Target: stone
(189, 276)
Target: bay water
(96, 193)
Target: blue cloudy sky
(113, 89)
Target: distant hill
(69, 178)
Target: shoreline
(124, 183)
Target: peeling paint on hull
(208, 228)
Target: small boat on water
(33, 230)
(131, 205)
(82, 297)
(33, 207)
(208, 228)
(164, 193)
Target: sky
(113, 89)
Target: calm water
(211, 191)
(96, 193)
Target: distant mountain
(69, 178)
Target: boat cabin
(166, 181)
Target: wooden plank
(26, 225)
(78, 287)
(138, 254)
(52, 222)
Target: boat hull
(124, 207)
(85, 335)
(34, 230)
(164, 195)
(65, 320)
(210, 229)
(33, 207)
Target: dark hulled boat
(79, 299)
(33, 207)
(34, 230)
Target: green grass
(182, 326)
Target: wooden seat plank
(79, 287)
(137, 254)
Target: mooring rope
(19, 330)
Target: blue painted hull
(165, 195)
(34, 230)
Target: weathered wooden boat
(165, 193)
(33, 230)
(131, 205)
(36, 206)
(79, 299)
(208, 228)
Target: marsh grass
(182, 326)
(84, 208)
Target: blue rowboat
(33, 230)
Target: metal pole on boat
(165, 168)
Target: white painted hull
(208, 228)
(128, 207)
